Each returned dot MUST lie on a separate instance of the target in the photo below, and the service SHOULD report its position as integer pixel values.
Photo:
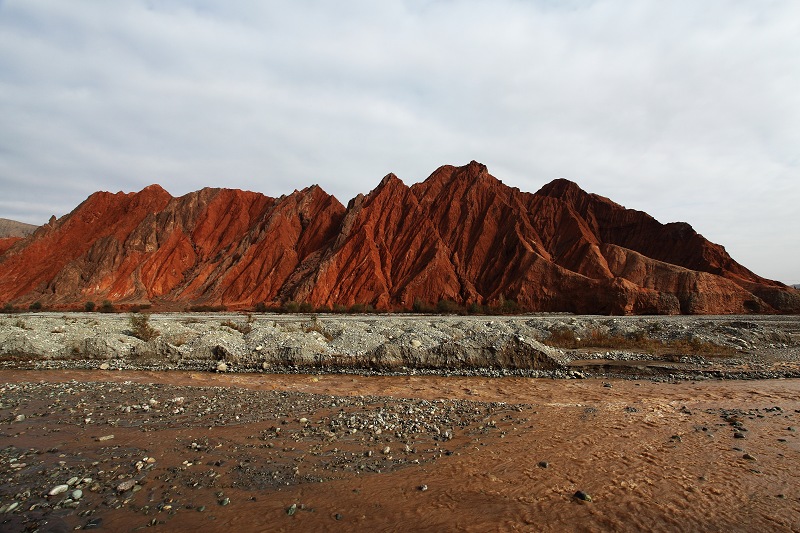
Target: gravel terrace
(754, 346)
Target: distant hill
(460, 238)
(12, 228)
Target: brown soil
(504, 454)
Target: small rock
(738, 435)
(11, 507)
(423, 488)
(128, 484)
(225, 501)
(58, 489)
(338, 516)
(105, 366)
(386, 451)
(222, 367)
(415, 343)
(292, 509)
(77, 494)
(105, 438)
(543, 464)
(748, 457)
(19, 418)
(580, 495)
(94, 523)
(72, 480)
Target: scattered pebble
(126, 485)
(58, 489)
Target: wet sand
(493, 454)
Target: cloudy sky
(688, 110)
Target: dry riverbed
(178, 451)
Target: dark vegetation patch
(141, 328)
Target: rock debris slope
(460, 235)
(12, 228)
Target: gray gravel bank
(756, 346)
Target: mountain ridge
(459, 235)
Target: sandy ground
(270, 452)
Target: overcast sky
(688, 110)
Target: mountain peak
(473, 167)
(390, 180)
(154, 188)
(562, 188)
(449, 179)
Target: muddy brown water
(652, 456)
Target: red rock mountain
(460, 235)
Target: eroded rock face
(460, 235)
(8, 242)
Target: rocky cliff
(460, 235)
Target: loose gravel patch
(217, 439)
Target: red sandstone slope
(8, 242)
(460, 235)
(387, 253)
(210, 246)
